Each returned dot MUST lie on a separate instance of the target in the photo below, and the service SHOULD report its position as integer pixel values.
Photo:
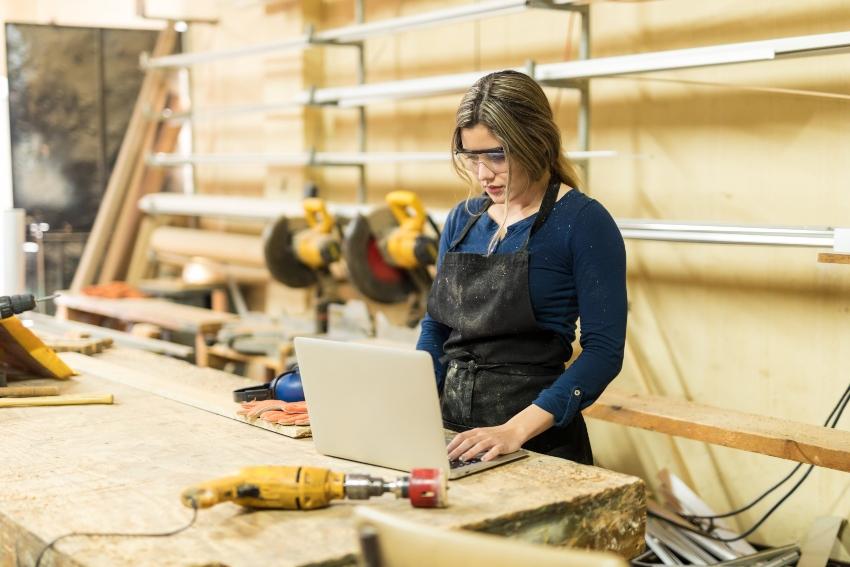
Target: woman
(517, 267)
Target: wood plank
(795, 441)
(128, 154)
(127, 473)
(140, 262)
(830, 258)
(159, 138)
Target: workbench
(122, 467)
(202, 323)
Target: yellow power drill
(308, 488)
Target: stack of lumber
(105, 257)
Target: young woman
(517, 267)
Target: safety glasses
(493, 159)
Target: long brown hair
(515, 109)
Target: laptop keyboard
(458, 463)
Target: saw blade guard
(368, 270)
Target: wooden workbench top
(123, 467)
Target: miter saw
(298, 256)
(388, 253)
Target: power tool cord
(837, 411)
(120, 534)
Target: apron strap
(472, 220)
(546, 206)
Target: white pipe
(12, 251)
(5, 148)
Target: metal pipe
(268, 209)
(358, 32)
(120, 338)
(12, 265)
(583, 126)
(825, 241)
(361, 112)
(566, 74)
(326, 158)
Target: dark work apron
(499, 358)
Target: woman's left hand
(492, 441)
(500, 439)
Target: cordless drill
(308, 488)
(16, 304)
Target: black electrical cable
(120, 534)
(841, 401)
(837, 411)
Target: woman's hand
(500, 439)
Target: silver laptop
(378, 405)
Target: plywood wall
(763, 330)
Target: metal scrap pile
(674, 534)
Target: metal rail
(327, 158)
(564, 74)
(358, 32)
(634, 229)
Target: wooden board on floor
(792, 440)
(123, 467)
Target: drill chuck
(425, 488)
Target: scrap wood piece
(21, 350)
(84, 346)
(831, 258)
(792, 440)
(28, 391)
(66, 400)
(294, 431)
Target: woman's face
(479, 138)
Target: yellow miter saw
(388, 253)
(298, 254)
(301, 258)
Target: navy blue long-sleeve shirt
(577, 270)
